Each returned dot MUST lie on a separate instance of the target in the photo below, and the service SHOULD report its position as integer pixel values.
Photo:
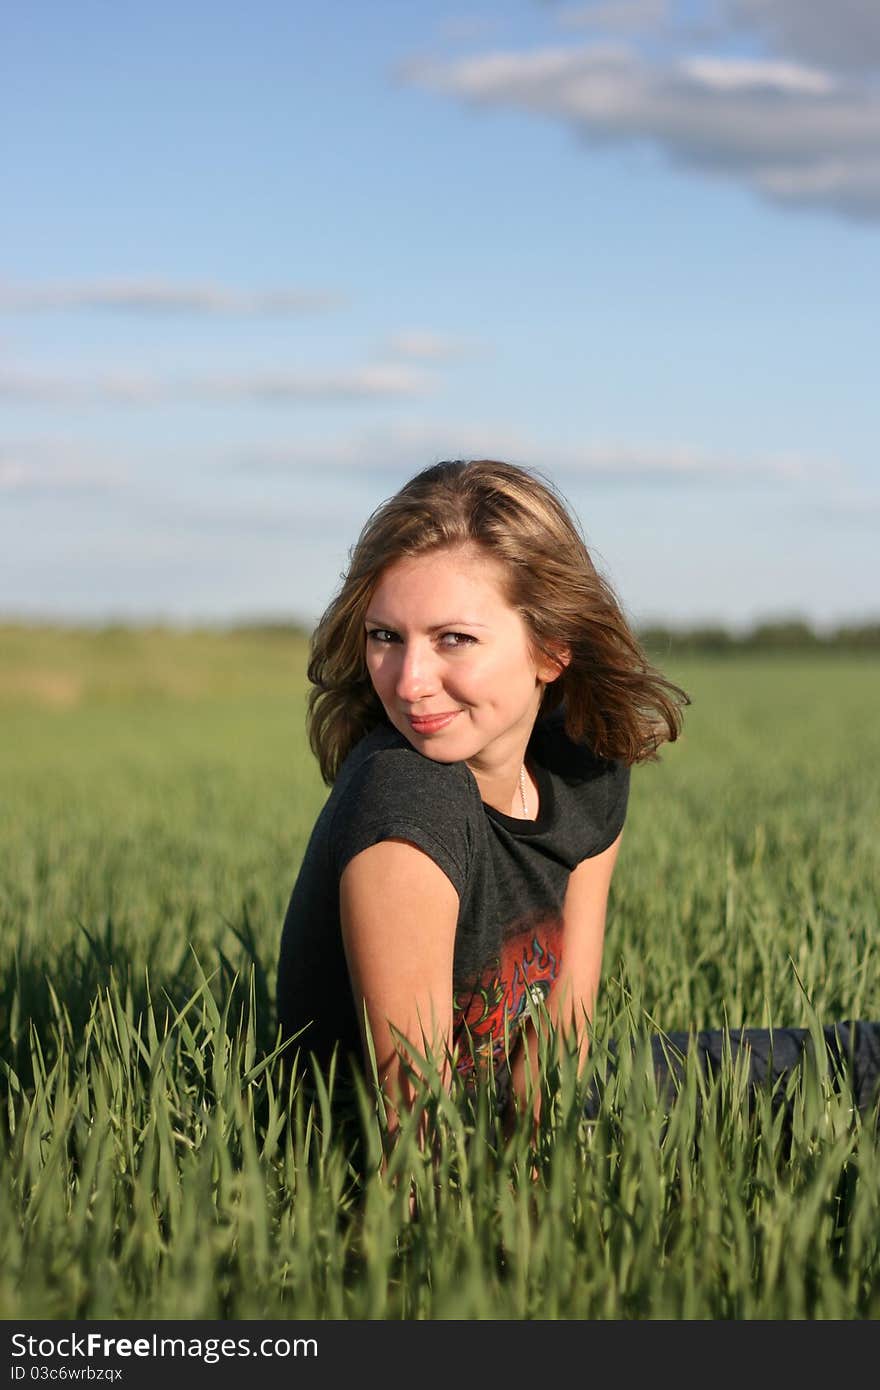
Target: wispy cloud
(797, 121)
(682, 463)
(466, 28)
(752, 75)
(622, 16)
(410, 447)
(163, 513)
(844, 34)
(380, 381)
(164, 297)
(55, 467)
(124, 487)
(422, 345)
(852, 506)
(841, 35)
(58, 464)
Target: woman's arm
(399, 913)
(572, 999)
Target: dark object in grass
(771, 1058)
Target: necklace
(522, 791)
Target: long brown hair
(614, 700)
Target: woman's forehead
(463, 575)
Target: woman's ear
(552, 662)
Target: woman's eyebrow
(437, 627)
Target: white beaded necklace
(522, 791)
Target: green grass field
(156, 794)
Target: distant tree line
(786, 635)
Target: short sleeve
(592, 793)
(609, 803)
(397, 794)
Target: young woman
(478, 700)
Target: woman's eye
(384, 636)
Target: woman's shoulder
(574, 761)
(387, 790)
(591, 793)
(385, 762)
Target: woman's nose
(416, 677)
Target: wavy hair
(613, 699)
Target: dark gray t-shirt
(510, 875)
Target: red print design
(529, 964)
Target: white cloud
(408, 447)
(792, 132)
(422, 345)
(835, 34)
(841, 34)
(854, 506)
(163, 297)
(682, 463)
(55, 467)
(380, 381)
(756, 75)
(162, 512)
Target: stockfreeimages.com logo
(94, 1346)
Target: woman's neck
(508, 788)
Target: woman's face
(450, 660)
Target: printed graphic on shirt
(528, 965)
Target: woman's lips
(432, 723)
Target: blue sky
(262, 263)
